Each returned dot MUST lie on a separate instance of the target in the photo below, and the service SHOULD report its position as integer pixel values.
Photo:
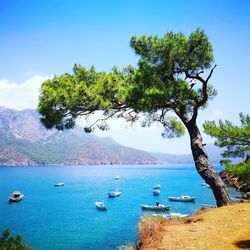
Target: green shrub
(10, 242)
(241, 170)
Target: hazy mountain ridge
(24, 141)
(213, 152)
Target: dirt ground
(224, 228)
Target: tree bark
(204, 168)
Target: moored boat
(113, 194)
(156, 192)
(16, 196)
(183, 198)
(206, 206)
(171, 215)
(159, 207)
(100, 206)
(158, 186)
(60, 184)
(236, 199)
(204, 184)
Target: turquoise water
(66, 218)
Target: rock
(235, 182)
(246, 196)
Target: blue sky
(41, 38)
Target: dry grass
(225, 228)
(151, 230)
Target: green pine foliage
(236, 139)
(160, 84)
(241, 170)
(10, 242)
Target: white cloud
(21, 96)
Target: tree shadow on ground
(245, 244)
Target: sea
(65, 217)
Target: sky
(41, 38)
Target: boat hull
(59, 185)
(13, 199)
(171, 215)
(100, 206)
(155, 208)
(191, 199)
(156, 192)
(158, 186)
(114, 194)
(206, 206)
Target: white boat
(117, 177)
(156, 192)
(183, 198)
(113, 194)
(60, 184)
(205, 185)
(236, 199)
(158, 186)
(171, 215)
(159, 207)
(16, 196)
(100, 206)
(206, 206)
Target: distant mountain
(24, 141)
(214, 156)
(172, 158)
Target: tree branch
(211, 72)
(204, 87)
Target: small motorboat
(206, 206)
(158, 207)
(117, 177)
(158, 186)
(183, 198)
(171, 215)
(16, 196)
(60, 184)
(113, 194)
(100, 206)
(205, 185)
(156, 192)
(236, 199)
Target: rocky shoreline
(236, 182)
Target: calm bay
(66, 218)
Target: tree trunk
(204, 168)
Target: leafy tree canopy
(236, 139)
(168, 87)
(160, 83)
